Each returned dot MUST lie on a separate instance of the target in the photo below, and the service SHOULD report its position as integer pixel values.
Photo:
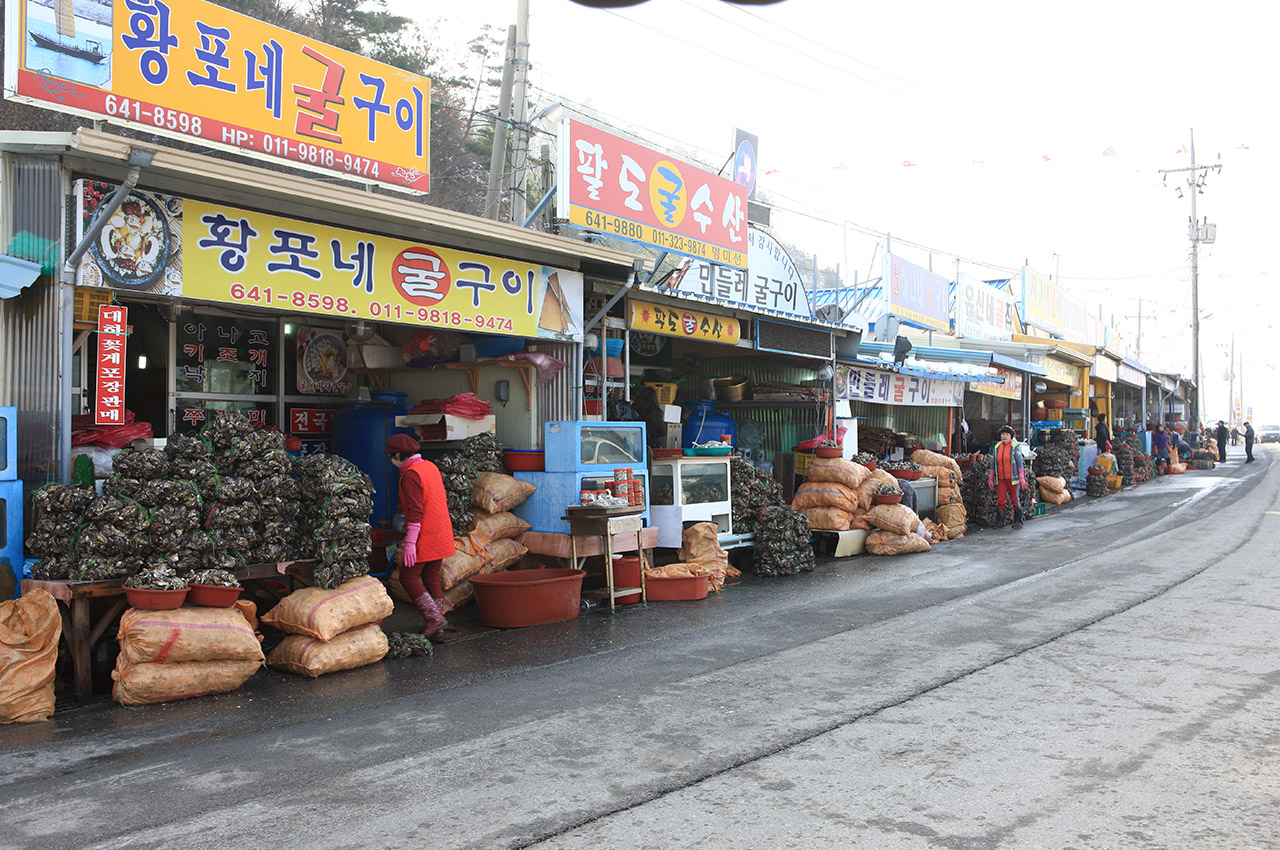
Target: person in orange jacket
(1008, 476)
(428, 533)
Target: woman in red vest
(1007, 477)
(428, 533)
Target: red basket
(907, 474)
(212, 595)
(155, 600)
(877, 499)
(870, 465)
(524, 460)
(676, 589)
(828, 451)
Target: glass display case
(584, 446)
(688, 490)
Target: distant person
(1179, 448)
(1235, 435)
(1102, 434)
(1248, 442)
(1221, 436)
(1160, 448)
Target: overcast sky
(1035, 133)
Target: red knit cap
(402, 444)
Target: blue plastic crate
(11, 528)
(8, 444)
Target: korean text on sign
(108, 407)
(637, 194)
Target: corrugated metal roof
(16, 275)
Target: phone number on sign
(311, 301)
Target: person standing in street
(1160, 449)
(1221, 436)
(1007, 477)
(428, 533)
(1102, 434)
(1235, 435)
(1248, 442)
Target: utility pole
(1139, 316)
(498, 159)
(1206, 233)
(520, 115)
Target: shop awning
(1016, 364)
(16, 275)
(960, 377)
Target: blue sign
(917, 294)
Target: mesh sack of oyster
(232, 515)
(186, 447)
(407, 645)
(484, 452)
(225, 426)
(168, 491)
(233, 489)
(156, 578)
(458, 474)
(199, 471)
(145, 464)
(782, 543)
(329, 576)
(108, 568)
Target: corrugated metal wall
(775, 429)
(34, 344)
(555, 400)
(928, 423)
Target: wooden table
(586, 522)
(80, 631)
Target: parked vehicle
(1269, 434)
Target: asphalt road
(1108, 677)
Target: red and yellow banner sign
(690, 324)
(1011, 388)
(191, 69)
(630, 192)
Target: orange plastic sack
(30, 629)
(701, 546)
(502, 554)
(881, 542)
(952, 516)
(190, 633)
(306, 656)
(491, 527)
(824, 494)
(898, 519)
(144, 684)
(1177, 468)
(325, 614)
(828, 519)
(457, 596)
(1055, 498)
(249, 609)
(494, 492)
(1052, 483)
(926, 458)
(955, 532)
(676, 571)
(839, 470)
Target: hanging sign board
(1060, 372)
(1127, 374)
(917, 294)
(770, 281)
(222, 254)
(690, 324)
(108, 397)
(627, 191)
(194, 70)
(1011, 388)
(1041, 301)
(872, 385)
(982, 311)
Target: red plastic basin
(677, 589)
(521, 598)
(155, 600)
(212, 595)
(524, 460)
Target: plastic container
(678, 589)
(706, 424)
(360, 435)
(906, 474)
(521, 598)
(497, 346)
(732, 388)
(155, 600)
(828, 451)
(612, 347)
(709, 451)
(524, 460)
(878, 499)
(626, 573)
(212, 595)
(665, 391)
(871, 465)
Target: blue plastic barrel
(706, 424)
(360, 435)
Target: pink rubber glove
(411, 532)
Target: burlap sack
(457, 568)
(30, 629)
(952, 516)
(676, 571)
(457, 596)
(926, 458)
(882, 542)
(1051, 483)
(395, 588)
(956, 532)
(144, 684)
(501, 554)
(898, 519)
(828, 519)
(185, 634)
(858, 521)
(825, 494)
(701, 546)
(839, 470)
(249, 609)
(1052, 498)
(494, 492)
(325, 614)
(491, 527)
(310, 657)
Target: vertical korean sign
(1042, 303)
(630, 192)
(108, 396)
(193, 70)
(917, 294)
